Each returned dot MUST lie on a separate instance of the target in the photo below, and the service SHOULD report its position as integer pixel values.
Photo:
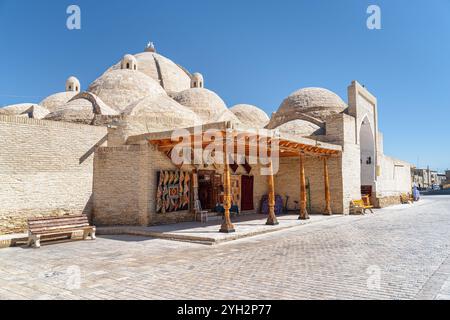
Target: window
(128, 65)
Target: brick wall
(45, 169)
(395, 178)
(120, 187)
(125, 186)
(287, 182)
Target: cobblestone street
(397, 253)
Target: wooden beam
(227, 226)
(327, 188)
(303, 211)
(272, 219)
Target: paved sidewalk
(208, 233)
(396, 253)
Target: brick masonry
(45, 169)
(125, 186)
(125, 179)
(48, 168)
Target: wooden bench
(51, 228)
(362, 205)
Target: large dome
(172, 77)
(56, 100)
(81, 109)
(206, 104)
(163, 113)
(300, 128)
(120, 88)
(250, 115)
(311, 104)
(228, 116)
(30, 110)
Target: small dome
(311, 104)
(250, 115)
(197, 80)
(120, 88)
(81, 109)
(172, 77)
(16, 109)
(72, 84)
(29, 110)
(205, 103)
(228, 116)
(129, 62)
(56, 100)
(162, 113)
(300, 128)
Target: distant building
(441, 179)
(426, 178)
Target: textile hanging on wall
(234, 167)
(173, 192)
(247, 167)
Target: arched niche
(368, 153)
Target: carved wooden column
(272, 219)
(327, 187)
(303, 211)
(227, 226)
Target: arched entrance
(368, 157)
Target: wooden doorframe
(252, 179)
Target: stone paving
(207, 233)
(397, 253)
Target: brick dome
(311, 104)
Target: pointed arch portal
(368, 156)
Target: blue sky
(250, 51)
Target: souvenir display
(173, 191)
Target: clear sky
(251, 51)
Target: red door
(247, 193)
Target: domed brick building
(145, 128)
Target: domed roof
(25, 109)
(313, 104)
(15, 109)
(73, 84)
(56, 100)
(300, 127)
(120, 88)
(172, 77)
(250, 115)
(81, 109)
(162, 113)
(228, 116)
(197, 76)
(197, 80)
(205, 103)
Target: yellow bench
(362, 205)
(406, 198)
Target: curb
(193, 239)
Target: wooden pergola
(244, 139)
